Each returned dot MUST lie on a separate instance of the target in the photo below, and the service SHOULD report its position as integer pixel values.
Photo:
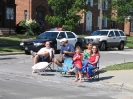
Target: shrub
(30, 27)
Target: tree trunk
(101, 14)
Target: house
(128, 27)
(91, 20)
(14, 11)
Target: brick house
(128, 28)
(14, 11)
(91, 20)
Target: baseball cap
(63, 40)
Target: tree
(121, 9)
(67, 13)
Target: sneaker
(33, 53)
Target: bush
(30, 27)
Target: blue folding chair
(67, 65)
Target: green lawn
(13, 40)
(123, 66)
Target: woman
(92, 61)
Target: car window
(111, 33)
(62, 35)
(95, 33)
(117, 33)
(122, 33)
(70, 35)
(48, 35)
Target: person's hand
(65, 52)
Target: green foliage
(30, 27)
(122, 8)
(66, 13)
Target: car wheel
(78, 45)
(121, 46)
(103, 46)
(27, 52)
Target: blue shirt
(69, 48)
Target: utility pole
(101, 14)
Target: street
(17, 81)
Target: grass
(13, 40)
(10, 49)
(123, 66)
(129, 42)
(82, 36)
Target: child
(78, 64)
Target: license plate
(26, 48)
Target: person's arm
(75, 57)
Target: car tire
(78, 45)
(103, 46)
(121, 46)
(27, 52)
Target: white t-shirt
(42, 50)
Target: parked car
(54, 37)
(108, 38)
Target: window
(131, 26)
(117, 33)
(122, 34)
(48, 35)
(62, 35)
(111, 33)
(104, 6)
(10, 1)
(89, 2)
(10, 13)
(99, 33)
(104, 22)
(70, 35)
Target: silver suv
(108, 38)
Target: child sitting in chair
(78, 64)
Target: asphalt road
(17, 82)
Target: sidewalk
(121, 78)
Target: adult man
(44, 54)
(67, 51)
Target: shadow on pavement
(8, 58)
(105, 78)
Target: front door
(60, 36)
(89, 21)
(71, 38)
(1, 16)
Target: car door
(59, 37)
(110, 40)
(117, 38)
(71, 38)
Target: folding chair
(46, 61)
(67, 65)
(95, 75)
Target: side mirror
(59, 37)
(109, 35)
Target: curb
(12, 53)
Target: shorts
(43, 59)
(76, 69)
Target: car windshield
(97, 33)
(48, 35)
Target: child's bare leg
(76, 76)
(71, 70)
(80, 76)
